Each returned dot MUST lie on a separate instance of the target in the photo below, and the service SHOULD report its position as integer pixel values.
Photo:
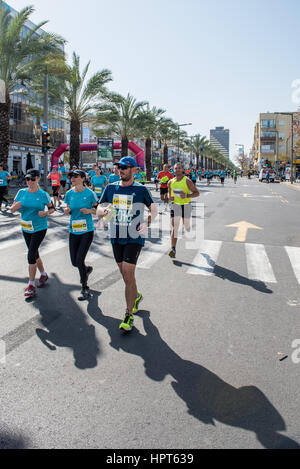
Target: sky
(209, 63)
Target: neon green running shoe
(127, 323)
(137, 302)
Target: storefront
(17, 158)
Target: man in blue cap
(127, 200)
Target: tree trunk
(124, 146)
(148, 155)
(166, 154)
(202, 162)
(4, 131)
(75, 143)
(197, 161)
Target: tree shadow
(208, 398)
(66, 325)
(226, 274)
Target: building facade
(272, 143)
(25, 126)
(220, 139)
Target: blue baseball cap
(128, 161)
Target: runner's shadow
(208, 398)
(226, 274)
(66, 325)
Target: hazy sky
(209, 62)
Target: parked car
(263, 175)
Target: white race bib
(27, 225)
(79, 226)
(1, 182)
(123, 202)
(98, 190)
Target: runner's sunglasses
(124, 166)
(29, 178)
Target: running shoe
(137, 302)
(127, 323)
(172, 253)
(30, 291)
(42, 281)
(85, 294)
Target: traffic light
(45, 142)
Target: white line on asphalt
(294, 255)
(152, 253)
(205, 261)
(259, 266)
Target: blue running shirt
(32, 204)
(80, 223)
(128, 203)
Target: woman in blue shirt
(31, 202)
(4, 179)
(99, 181)
(81, 205)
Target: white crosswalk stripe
(259, 266)
(206, 259)
(294, 256)
(152, 253)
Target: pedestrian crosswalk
(260, 265)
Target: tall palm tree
(167, 132)
(149, 121)
(20, 50)
(120, 116)
(198, 144)
(82, 97)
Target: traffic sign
(45, 127)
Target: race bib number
(27, 226)
(177, 192)
(123, 202)
(79, 226)
(98, 190)
(54, 182)
(1, 182)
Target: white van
(263, 175)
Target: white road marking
(152, 253)
(206, 259)
(259, 266)
(294, 255)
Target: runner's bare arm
(194, 191)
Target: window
(266, 134)
(268, 124)
(268, 148)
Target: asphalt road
(210, 362)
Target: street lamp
(180, 125)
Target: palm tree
(167, 132)
(20, 50)
(82, 98)
(149, 121)
(120, 115)
(199, 144)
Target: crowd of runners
(118, 199)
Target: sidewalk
(295, 186)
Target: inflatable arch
(139, 153)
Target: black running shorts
(55, 191)
(164, 191)
(128, 253)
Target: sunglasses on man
(124, 167)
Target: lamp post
(180, 125)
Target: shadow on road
(11, 441)
(65, 324)
(226, 274)
(207, 397)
